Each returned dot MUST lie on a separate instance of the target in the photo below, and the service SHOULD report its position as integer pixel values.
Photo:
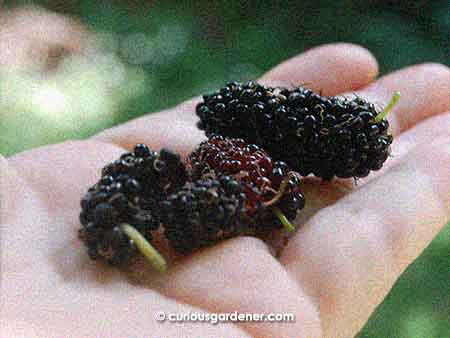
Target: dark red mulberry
(265, 182)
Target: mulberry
(204, 212)
(313, 134)
(121, 210)
(265, 182)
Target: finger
(116, 313)
(240, 274)
(351, 253)
(424, 92)
(423, 132)
(330, 68)
(68, 168)
(174, 128)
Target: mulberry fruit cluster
(324, 136)
(228, 188)
(129, 192)
(244, 180)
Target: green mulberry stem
(282, 189)
(391, 104)
(288, 225)
(149, 252)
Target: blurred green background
(133, 57)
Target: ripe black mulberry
(324, 136)
(204, 212)
(128, 193)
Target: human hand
(352, 244)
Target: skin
(352, 244)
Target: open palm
(352, 244)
